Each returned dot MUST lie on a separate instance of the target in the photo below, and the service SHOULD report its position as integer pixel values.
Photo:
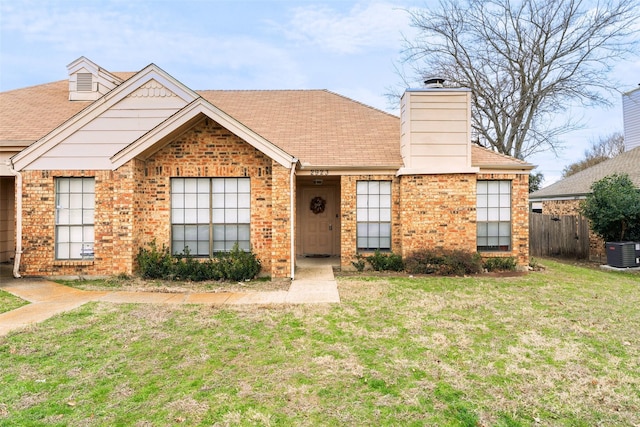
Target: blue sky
(349, 47)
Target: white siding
(631, 117)
(92, 146)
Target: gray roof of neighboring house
(580, 183)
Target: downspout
(18, 197)
(294, 161)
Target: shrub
(154, 263)
(500, 264)
(613, 208)
(359, 263)
(444, 262)
(386, 262)
(238, 265)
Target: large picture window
(494, 215)
(373, 215)
(210, 214)
(75, 207)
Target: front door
(318, 220)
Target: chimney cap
(434, 82)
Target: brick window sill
(72, 263)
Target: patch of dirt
(385, 274)
(137, 284)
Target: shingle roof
(28, 114)
(319, 127)
(580, 183)
(484, 157)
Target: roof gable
(91, 137)
(184, 119)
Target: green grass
(558, 347)
(9, 302)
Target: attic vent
(84, 82)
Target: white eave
(151, 142)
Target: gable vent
(84, 82)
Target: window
(210, 214)
(494, 215)
(373, 215)
(75, 205)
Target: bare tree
(525, 62)
(606, 147)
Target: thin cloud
(363, 27)
(124, 37)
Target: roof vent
(84, 82)
(88, 82)
(434, 82)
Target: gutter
(294, 162)
(18, 197)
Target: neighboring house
(565, 196)
(631, 118)
(100, 165)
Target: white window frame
(210, 215)
(74, 219)
(373, 215)
(493, 216)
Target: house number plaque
(319, 172)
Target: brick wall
(209, 150)
(348, 226)
(519, 216)
(133, 204)
(572, 207)
(113, 224)
(438, 212)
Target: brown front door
(318, 220)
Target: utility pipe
(294, 162)
(18, 197)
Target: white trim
(444, 169)
(558, 198)
(186, 115)
(59, 134)
(292, 179)
(18, 202)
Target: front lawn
(9, 302)
(556, 347)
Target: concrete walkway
(314, 284)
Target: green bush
(443, 262)
(359, 263)
(613, 208)
(155, 263)
(237, 265)
(385, 261)
(500, 264)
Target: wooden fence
(563, 236)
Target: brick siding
(437, 212)
(133, 204)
